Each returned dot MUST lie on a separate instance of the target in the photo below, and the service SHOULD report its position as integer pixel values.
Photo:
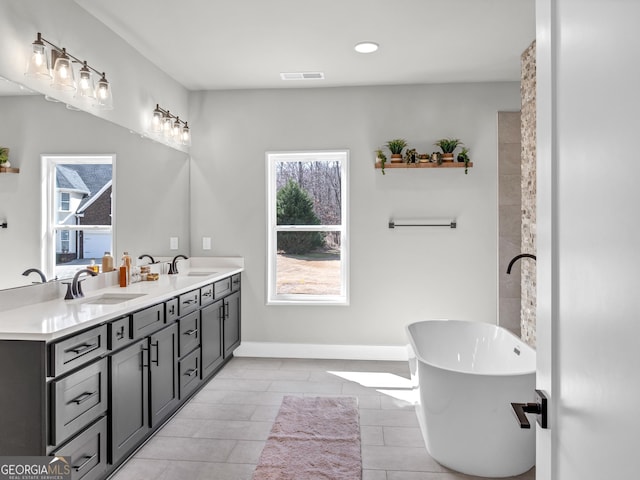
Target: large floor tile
(180, 448)
(398, 458)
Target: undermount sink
(113, 298)
(200, 274)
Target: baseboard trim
(306, 350)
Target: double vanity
(93, 378)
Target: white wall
(588, 237)
(137, 84)
(152, 182)
(397, 276)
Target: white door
(588, 321)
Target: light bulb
(156, 119)
(38, 65)
(104, 95)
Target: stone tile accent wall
(529, 188)
(509, 219)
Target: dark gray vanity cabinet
(129, 392)
(88, 452)
(144, 381)
(163, 373)
(96, 395)
(211, 338)
(231, 323)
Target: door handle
(539, 408)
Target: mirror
(151, 195)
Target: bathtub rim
(413, 351)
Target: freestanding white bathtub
(468, 373)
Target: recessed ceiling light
(366, 47)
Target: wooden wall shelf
(388, 165)
(9, 170)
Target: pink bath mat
(313, 438)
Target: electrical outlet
(173, 243)
(206, 243)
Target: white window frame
(50, 204)
(272, 158)
(67, 201)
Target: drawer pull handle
(84, 397)
(82, 348)
(189, 302)
(191, 332)
(208, 293)
(172, 309)
(191, 372)
(85, 463)
(157, 360)
(120, 333)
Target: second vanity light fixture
(63, 77)
(170, 126)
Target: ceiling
(237, 44)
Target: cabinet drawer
(206, 295)
(189, 372)
(222, 287)
(77, 350)
(189, 332)
(189, 302)
(147, 321)
(235, 282)
(119, 332)
(171, 310)
(77, 400)
(88, 452)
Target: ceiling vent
(302, 76)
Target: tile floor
(219, 434)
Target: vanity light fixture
(366, 47)
(164, 123)
(62, 74)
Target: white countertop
(46, 321)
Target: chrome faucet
(173, 269)
(518, 257)
(76, 289)
(35, 270)
(147, 256)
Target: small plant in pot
(395, 146)
(4, 157)
(463, 156)
(382, 158)
(411, 155)
(448, 145)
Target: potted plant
(463, 156)
(382, 158)
(411, 155)
(395, 146)
(448, 145)
(4, 157)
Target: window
(307, 228)
(77, 212)
(64, 201)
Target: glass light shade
(104, 97)
(63, 73)
(85, 83)
(186, 135)
(176, 130)
(38, 65)
(156, 120)
(167, 125)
